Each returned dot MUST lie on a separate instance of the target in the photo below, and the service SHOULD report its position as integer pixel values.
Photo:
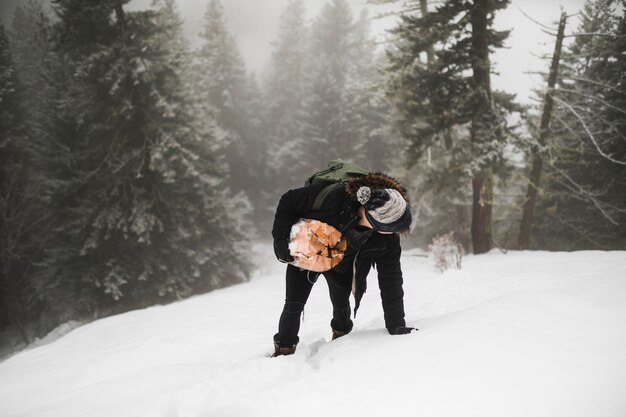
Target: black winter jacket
(380, 251)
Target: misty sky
(254, 23)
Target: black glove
(401, 330)
(281, 250)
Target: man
(369, 212)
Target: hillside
(517, 334)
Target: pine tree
(255, 138)
(366, 99)
(37, 66)
(148, 207)
(285, 94)
(221, 81)
(20, 205)
(330, 122)
(41, 79)
(322, 93)
(583, 203)
(12, 110)
(285, 84)
(445, 108)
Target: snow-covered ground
(517, 334)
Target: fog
(254, 24)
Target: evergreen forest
(139, 168)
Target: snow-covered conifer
(454, 124)
(221, 88)
(284, 96)
(149, 204)
(22, 237)
(583, 203)
(330, 120)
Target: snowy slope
(522, 334)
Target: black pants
(299, 284)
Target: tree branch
(588, 196)
(586, 80)
(593, 139)
(595, 98)
(549, 33)
(610, 35)
(535, 21)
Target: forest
(139, 168)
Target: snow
(516, 334)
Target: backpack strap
(321, 197)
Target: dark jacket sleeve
(390, 283)
(293, 205)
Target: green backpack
(337, 172)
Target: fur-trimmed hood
(375, 181)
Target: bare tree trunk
(535, 173)
(482, 181)
(482, 197)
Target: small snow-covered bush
(446, 252)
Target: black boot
(286, 339)
(282, 350)
(337, 334)
(341, 324)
